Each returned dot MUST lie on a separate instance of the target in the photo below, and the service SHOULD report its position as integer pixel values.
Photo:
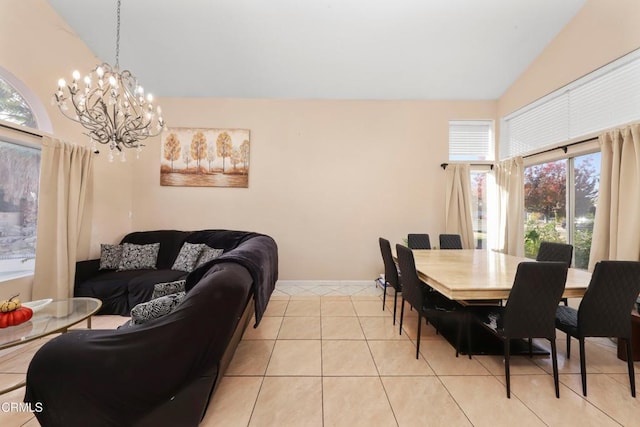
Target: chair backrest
(411, 283)
(450, 241)
(606, 306)
(531, 308)
(551, 251)
(418, 241)
(390, 270)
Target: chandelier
(111, 105)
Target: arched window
(19, 105)
(13, 107)
(19, 175)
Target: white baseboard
(326, 282)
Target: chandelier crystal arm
(110, 105)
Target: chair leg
(384, 295)
(468, 327)
(554, 357)
(530, 348)
(395, 306)
(418, 339)
(583, 366)
(568, 346)
(507, 351)
(401, 315)
(632, 379)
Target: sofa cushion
(140, 288)
(137, 257)
(110, 256)
(111, 287)
(167, 288)
(155, 308)
(170, 243)
(208, 254)
(188, 256)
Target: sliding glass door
(560, 199)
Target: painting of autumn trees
(205, 157)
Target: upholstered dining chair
(529, 311)
(450, 241)
(418, 241)
(390, 275)
(428, 303)
(552, 251)
(605, 311)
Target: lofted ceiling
(322, 49)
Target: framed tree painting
(205, 157)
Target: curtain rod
(444, 165)
(562, 147)
(20, 130)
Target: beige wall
(327, 178)
(38, 47)
(602, 31)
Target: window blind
(471, 140)
(603, 99)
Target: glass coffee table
(49, 317)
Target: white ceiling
(322, 49)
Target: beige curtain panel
(458, 203)
(616, 230)
(65, 188)
(509, 176)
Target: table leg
(13, 387)
(635, 339)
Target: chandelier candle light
(111, 106)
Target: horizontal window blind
(603, 99)
(471, 140)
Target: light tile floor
(323, 358)
(329, 359)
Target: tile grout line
(321, 368)
(264, 375)
(255, 402)
(386, 394)
(454, 399)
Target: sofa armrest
(86, 269)
(117, 377)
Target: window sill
(6, 276)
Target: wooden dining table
(477, 274)
(482, 277)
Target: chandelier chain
(118, 38)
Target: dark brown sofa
(163, 372)
(120, 291)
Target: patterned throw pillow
(162, 289)
(188, 256)
(208, 254)
(155, 308)
(137, 257)
(110, 256)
